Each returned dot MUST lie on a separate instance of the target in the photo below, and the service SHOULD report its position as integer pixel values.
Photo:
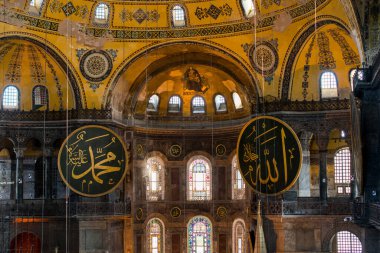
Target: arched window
(178, 16)
(249, 8)
(155, 236)
(198, 104)
(11, 98)
(174, 104)
(329, 85)
(35, 6)
(238, 189)
(342, 169)
(237, 101)
(220, 103)
(40, 96)
(101, 13)
(199, 235)
(199, 179)
(153, 103)
(156, 179)
(352, 76)
(238, 236)
(347, 242)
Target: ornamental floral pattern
(326, 58)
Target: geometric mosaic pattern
(139, 15)
(213, 11)
(326, 59)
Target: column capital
(48, 151)
(305, 140)
(19, 152)
(322, 141)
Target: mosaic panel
(326, 59)
(139, 15)
(349, 55)
(95, 65)
(263, 56)
(213, 11)
(68, 9)
(306, 68)
(37, 73)
(13, 73)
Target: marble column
(322, 141)
(304, 178)
(19, 184)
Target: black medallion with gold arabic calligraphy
(92, 161)
(269, 155)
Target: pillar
(323, 141)
(19, 180)
(304, 178)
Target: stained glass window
(178, 16)
(10, 98)
(238, 236)
(329, 85)
(153, 103)
(154, 187)
(238, 189)
(220, 103)
(348, 243)
(342, 170)
(237, 101)
(155, 234)
(199, 235)
(199, 180)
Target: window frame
(161, 224)
(99, 21)
(209, 233)
(233, 101)
(246, 15)
(158, 194)
(235, 225)
(158, 104)
(204, 105)
(320, 85)
(353, 239)
(171, 15)
(237, 194)
(190, 196)
(339, 184)
(34, 105)
(180, 104)
(215, 105)
(18, 98)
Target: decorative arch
(155, 172)
(155, 236)
(243, 76)
(326, 242)
(239, 236)
(77, 87)
(287, 71)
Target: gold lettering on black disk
(92, 161)
(269, 155)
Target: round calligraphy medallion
(220, 150)
(175, 212)
(221, 211)
(93, 161)
(175, 150)
(264, 57)
(269, 155)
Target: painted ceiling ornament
(268, 3)
(282, 22)
(264, 57)
(194, 81)
(10, 17)
(95, 65)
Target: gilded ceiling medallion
(264, 57)
(95, 65)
